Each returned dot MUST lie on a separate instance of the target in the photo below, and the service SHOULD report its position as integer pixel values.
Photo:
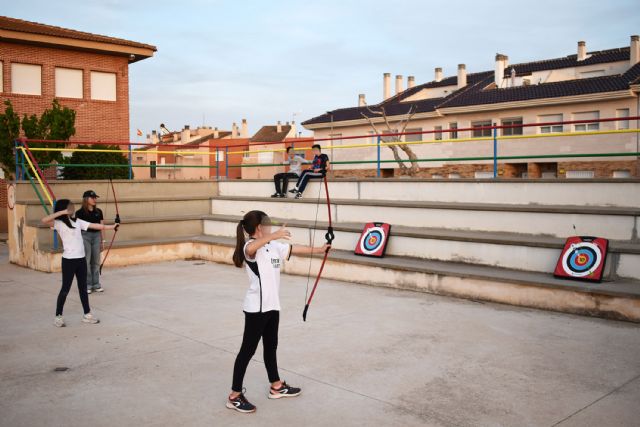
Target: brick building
(583, 86)
(86, 72)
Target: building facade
(581, 87)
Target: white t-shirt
(264, 276)
(296, 164)
(71, 237)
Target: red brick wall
(95, 120)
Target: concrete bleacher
(479, 239)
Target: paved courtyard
(163, 356)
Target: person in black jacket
(92, 238)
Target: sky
(221, 61)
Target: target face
(373, 240)
(582, 258)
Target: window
(622, 124)
(580, 174)
(26, 79)
(550, 118)
(478, 133)
(512, 122)
(389, 138)
(438, 133)
(68, 83)
(413, 138)
(587, 115)
(103, 86)
(453, 134)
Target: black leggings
(256, 326)
(73, 267)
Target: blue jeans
(92, 255)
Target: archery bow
(329, 236)
(116, 220)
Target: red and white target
(582, 258)
(373, 240)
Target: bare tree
(402, 126)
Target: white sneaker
(59, 322)
(90, 318)
(89, 291)
(98, 289)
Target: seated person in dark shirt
(319, 168)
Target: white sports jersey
(71, 238)
(264, 276)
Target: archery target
(582, 259)
(373, 240)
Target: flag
(139, 132)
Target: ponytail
(238, 254)
(249, 224)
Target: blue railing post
(130, 166)
(55, 234)
(495, 151)
(378, 163)
(226, 161)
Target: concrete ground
(163, 356)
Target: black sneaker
(285, 390)
(241, 404)
(274, 195)
(282, 196)
(295, 190)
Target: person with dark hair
(295, 161)
(92, 239)
(319, 168)
(262, 256)
(73, 259)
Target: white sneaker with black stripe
(285, 390)
(240, 404)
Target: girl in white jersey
(263, 256)
(73, 257)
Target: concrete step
(612, 192)
(123, 187)
(615, 223)
(505, 250)
(137, 228)
(141, 207)
(619, 299)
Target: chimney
(279, 127)
(634, 54)
(582, 51)
(398, 84)
(462, 76)
(513, 77)
(438, 74)
(245, 129)
(234, 129)
(386, 86)
(361, 100)
(411, 82)
(185, 135)
(293, 131)
(216, 133)
(501, 61)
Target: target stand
(373, 240)
(582, 258)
